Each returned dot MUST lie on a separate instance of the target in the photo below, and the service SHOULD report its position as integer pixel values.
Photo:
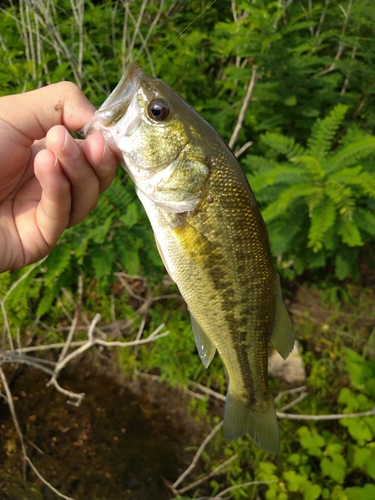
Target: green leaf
(324, 131)
(294, 480)
(303, 189)
(361, 455)
(312, 492)
(349, 232)
(282, 144)
(312, 166)
(351, 154)
(311, 441)
(358, 493)
(370, 467)
(323, 218)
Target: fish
(211, 237)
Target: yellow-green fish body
(211, 237)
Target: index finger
(33, 113)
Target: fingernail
(70, 148)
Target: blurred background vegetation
(311, 123)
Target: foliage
(309, 58)
(312, 123)
(326, 464)
(323, 197)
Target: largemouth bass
(211, 237)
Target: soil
(122, 443)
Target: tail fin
(263, 427)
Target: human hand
(48, 180)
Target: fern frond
(57, 263)
(282, 144)
(322, 219)
(311, 164)
(303, 189)
(355, 177)
(365, 220)
(349, 232)
(283, 174)
(272, 211)
(342, 197)
(255, 163)
(120, 195)
(324, 132)
(342, 267)
(5, 279)
(351, 154)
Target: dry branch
(244, 107)
(197, 455)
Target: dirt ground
(119, 444)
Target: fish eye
(158, 110)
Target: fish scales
(212, 239)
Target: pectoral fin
(206, 348)
(282, 337)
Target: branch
(208, 476)
(337, 416)
(250, 483)
(244, 107)
(198, 454)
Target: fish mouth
(117, 103)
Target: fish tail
(262, 426)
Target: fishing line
(183, 31)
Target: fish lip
(117, 103)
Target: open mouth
(117, 103)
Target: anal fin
(282, 337)
(206, 348)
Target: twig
(244, 107)
(44, 481)
(21, 278)
(9, 397)
(208, 476)
(20, 436)
(298, 399)
(197, 455)
(242, 149)
(290, 391)
(75, 320)
(208, 391)
(129, 289)
(321, 20)
(243, 485)
(347, 78)
(341, 44)
(338, 416)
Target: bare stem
(244, 107)
(208, 476)
(243, 485)
(336, 416)
(197, 455)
